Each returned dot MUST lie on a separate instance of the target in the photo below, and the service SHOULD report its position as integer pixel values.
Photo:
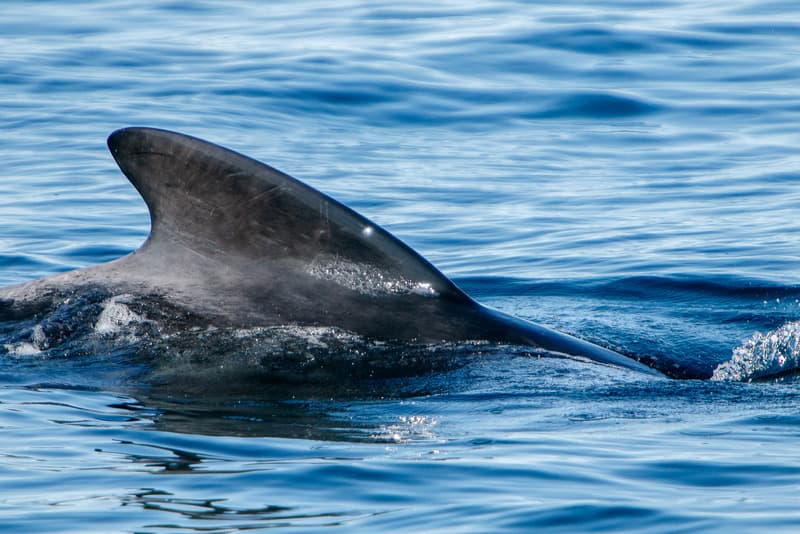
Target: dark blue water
(625, 171)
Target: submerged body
(235, 243)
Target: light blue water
(626, 171)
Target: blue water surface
(625, 171)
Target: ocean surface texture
(622, 170)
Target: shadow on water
(320, 412)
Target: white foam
(116, 316)
(763, 355)
(313, 335)
(22, 349)
(35, 346)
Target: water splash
(408, 429)
(763, 356)
(365, 278)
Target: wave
(674, 286)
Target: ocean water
(624, 171)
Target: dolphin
(237, 243)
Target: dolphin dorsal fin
(217, 202)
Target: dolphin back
(235, 246)
(292, 253)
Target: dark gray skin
(240, 244)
